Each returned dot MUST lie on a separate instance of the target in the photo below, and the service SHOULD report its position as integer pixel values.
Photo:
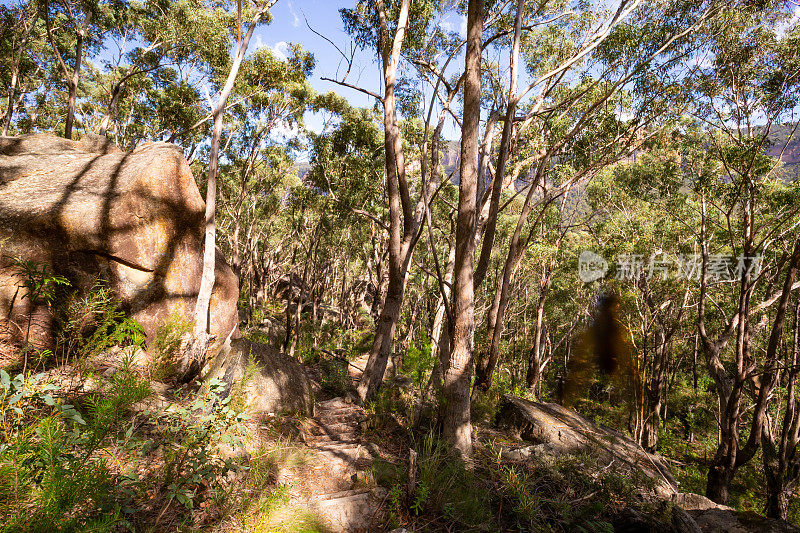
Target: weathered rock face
(273, 382)
(731, 521)
(716, 518)
(560, 430)
(555, 430)
(89, 211)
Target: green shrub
(334, 376)
(192, 437)
(485, 405)
(41, 284)
(166, 347)
(568, 493)
(59, 461)
(90, 323)
(53, 478)
(418, 361)
(446, 489)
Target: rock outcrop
(272, 382)
(555, 430)
(715, 518)
(89, 211)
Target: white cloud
(786, 26)
(255, 43)
(285, 131)
(446, 25)
(296, 21)
(280, 50)
(463, 27)
(702, 61)
(623, 114)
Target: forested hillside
(399, 265)
(784, 146)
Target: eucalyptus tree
(602, 69)
(457, 375)
(781, 432)
(22, 48)
(159, 51)
(162, 57)
(388, 28)
(347, 166)
(195, 352)
(75, 28)
(781, 437)
(272, 95)
(751, 74)
(423, 44)
(643, 218)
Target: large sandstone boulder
(556, 429)
(714, 518)
(270, 381)
(88, 211)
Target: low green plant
(275, 512)
(238, 390)
(485, 405)
(91, 322)
(349, 341)
(166, 346)
(272, 456)
(448, 490)
(40, 282)
(334, 376)
(568, 493)
(52, 476)
(194, 434)
(384, 401)
(395, 504)
(41, 286)
(418, 361)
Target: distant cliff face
(778, 137)
(88, 211)
(779, 134)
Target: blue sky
(289, 26)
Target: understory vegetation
(430, 205)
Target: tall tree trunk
(655, 394)
(730, 455)
(11, 95)
(289, 296)
(384, 337)
(719, 480)
(12, 89)
(775, 477)
(397, 190)
(439, 318)
(76, 77)
(456, 425)
(310, 263)
(195, 353)
(781, 462)
(485, 366)
(502, 156)
(534, 373)
(73, 78)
